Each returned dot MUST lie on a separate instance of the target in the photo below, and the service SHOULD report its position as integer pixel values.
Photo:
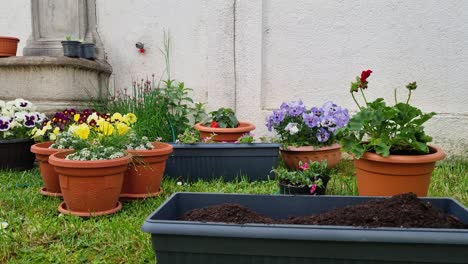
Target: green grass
(38, 234)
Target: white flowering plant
(18, 118)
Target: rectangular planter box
(191, 162)
(178, 242)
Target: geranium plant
(298, 125)
(223, 118)
(314, 175)
(17, 118)
(384, 129)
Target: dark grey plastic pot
(71, 48)
(191, 162)
(179, 242)
(16, 154)
(88, 51)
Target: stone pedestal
(54, 20)
(54, 83)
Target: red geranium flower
(214, 124)
(365, 75)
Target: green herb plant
(384, 129)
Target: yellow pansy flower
(106, 128)
(122, 128)
(56, 130)
(76, 117)
(82, 131)
(116, 117)
(130, 118)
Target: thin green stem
(394, 94)
(354, 98)
(363, 95)
(409, 97)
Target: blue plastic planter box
(191, 162)
(178, 242)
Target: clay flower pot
(395, 174)
(8, 46)
(144, 175)
(90, 187)
(225, 134)
(50, 177)
(292, 155)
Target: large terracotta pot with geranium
(17, 119)
(224, 126)
(145, 172)
(389, 145)
(308, 134)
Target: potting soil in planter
(404, 210)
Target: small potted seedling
(71, 48)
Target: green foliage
(310, 173)
(246, 139)
(225, 117)
(386, 129)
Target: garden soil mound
(404, 210)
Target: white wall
(252, 55)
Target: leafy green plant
(223, 118)
(246, 139)
(385, 129)
(311, 174)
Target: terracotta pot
(90, 188)
(8, 46)
(395, 174)
(225, 134)
(292, 155)
(144, 175)
(50, 177)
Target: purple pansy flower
(310, 119)
(29, 120)
(330, 107)
(296, 108)
(322, 135)
(341, 117)
(269, 123)
(4, 123)
(278, 116)
(317, 111)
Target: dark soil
(404, 210)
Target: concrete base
(54, 83)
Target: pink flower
(313, 188)
(304, 166)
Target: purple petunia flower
(322, 135)
(311, 120)
(4, 123)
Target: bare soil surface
(404, 210)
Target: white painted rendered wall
(252, 55)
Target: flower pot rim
(42, 148)
(10, 38)
(311, 148)
(243, 127)
(160, 149)
(436, 155)
(58, 159)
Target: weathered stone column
(54, 20)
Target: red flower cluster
(214, 124)
(365, 75)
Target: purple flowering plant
(298, 125)
(17, 118)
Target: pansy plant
(17, 118)
(298, 125)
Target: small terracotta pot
(8, 46)
(144, 175)
(50, 177)
(292, 155)
(90, 188)
(225, 134)
(395, 174)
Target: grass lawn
(37, 233)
